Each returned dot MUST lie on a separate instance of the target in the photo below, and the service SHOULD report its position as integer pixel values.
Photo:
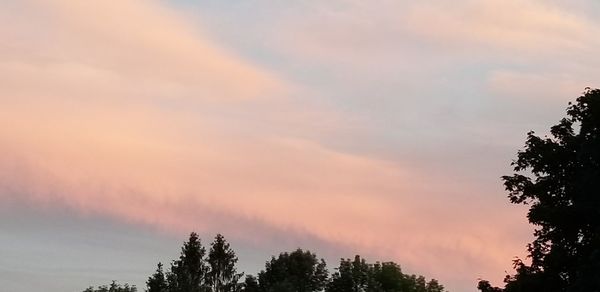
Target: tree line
(197, 270)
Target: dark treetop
(558, 177)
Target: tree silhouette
(559, 178)
(351, 276)
(188, 274)
(298, 271)
(223, 276)
(485, 286)
(389, 277)
(113, 287)
(251, 284)
(434, 286)
(359, 276)
(157, 282)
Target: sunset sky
(378, 128)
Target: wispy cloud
(131, 45)
(528, 26)
(124, 109)
(353, 32)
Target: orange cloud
(130, 44)
(140, 167)
(123, 110)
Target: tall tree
(559, 178)
(188, 274)
(157, 282)
(222, 276)
(298, 271)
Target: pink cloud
(131, 44)
(139, 169)
(89, 122)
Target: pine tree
(157, 282)
(188, 274)
(223, 276)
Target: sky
(378, 128)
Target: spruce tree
(222, 276)
(188, 274)
(157, 282)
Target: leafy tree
(485, 286)
(223, 276)
(188, 274)
(559, 178)
(434, 286)
(388, 277)
(351, 276)
(359, 276)
(157, 282)
(298, 271)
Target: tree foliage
(298, 271)
(485, 286)
(222, 276)
(157, 282)
(559, 178)
(188, 273)
(358, 276)
(351, 276)
(113, 287)
(251, 284)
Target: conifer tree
(188, 274)
(157, 282)
(222, 276)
